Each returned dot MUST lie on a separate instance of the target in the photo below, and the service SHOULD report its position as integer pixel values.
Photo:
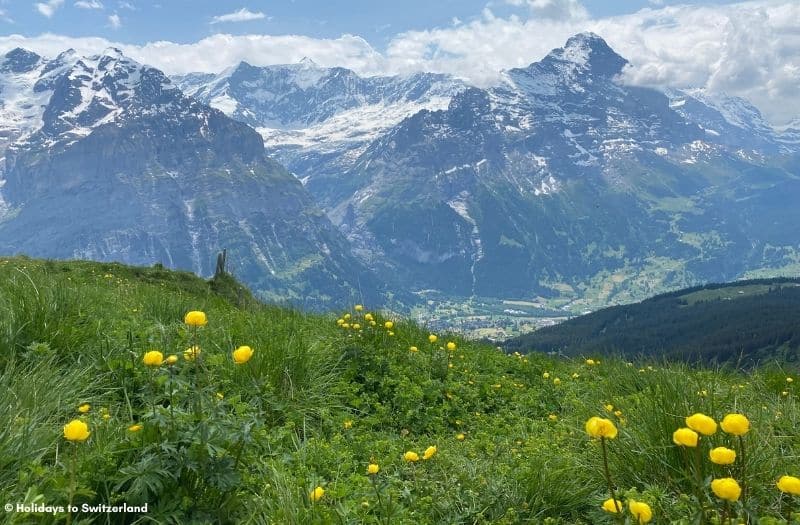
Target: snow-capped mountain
(561, 179)
(106, 158)
(315, 120)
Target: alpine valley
(559, 188)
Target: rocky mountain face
(559, 180)
(318, 121)
(107, 159)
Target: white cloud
(750, 49)
(128, 5)
(89, 4)
(49, 8)
(114, 21)
(554, 9)
(242, 15)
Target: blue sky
(748, 48)
(183, 21)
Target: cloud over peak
(242, 15)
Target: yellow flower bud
(135, 428)
(432, 338)
(191, 353)
(685, 437)
(171, 360)
(413, 349)
(701, 423)
(372, 469)
(84, 408)
(429, 452)
(735, 424)
(726, 488)
(546, 375)
(358, 307)
(722, 456)
(460, 437)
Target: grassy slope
(73, 333)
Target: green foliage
(742, 323)
(319, 400)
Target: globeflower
(789, 485)
(546, 375)
(556, 381)
(411, 456)
(641, 511)
(171, 360)
(358, 307)
(433, 338)
(135, 428)
(598, 427)
(726, 488)
(372, 469)
(451, 346)
(316, 494)
(153, 358)
(429, 452)
(76, 430)
(413, 349)
(701, 423)
(84, 408)
(722, 456)
(685, 437)
(591, 362)
(191, 353)
(388, 325)
(195, 318)
(460, 436)
(348, 423)
(735, 424)
(612, 505)
(242, 355)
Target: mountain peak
(590, 51)
(308, 62)
(19, 60)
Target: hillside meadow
(141, 386)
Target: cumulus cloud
(48, 8)
(89, 4)
(750, 49)
(242, 15)
(114, 21)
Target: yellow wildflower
(84, 408)
(413, 349)
(348, 423)
(789, 485)
(388, 325)
(411, 456)
(590, 362)
(726, 488)
(552, 417)
(172, 359)
(722, 456)
(546, 375)
(460, 436)
(153, 358)
(429, 452)
(76, 430)
(641, 511)
(368, 317)
(685, 437)
(195, 318)
(432, 338)
(598, 427)
(190, 353)
(612, 505)
(701, 423)
(135, 428)
(556, 381)
(451, 346)
(242, 355)
(316, 494)
(358, 307)
(372, 469)
(736, 424)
